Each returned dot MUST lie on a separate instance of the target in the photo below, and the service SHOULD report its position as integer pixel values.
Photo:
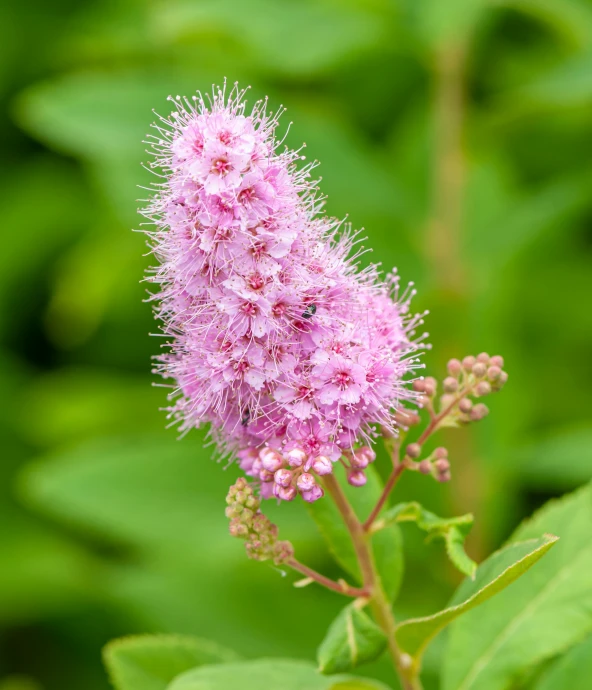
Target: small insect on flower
(240, 241)
(310, 311)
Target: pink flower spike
(276, 339)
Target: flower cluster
(293, 470)
(473, 377)
(248, 522)
(276, 339)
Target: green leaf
(271, 34)
(272, 674)
(571, 19)
(452, 21)
(151, 662)
(48, 574)
(573, 671)
(387, 544)
(71, 404)
(452, 530)
(359, 684)
(139, 490)
(568, 84)
(352, 639)
(562, 460)
(492, 576)
(544, 613)
(512, 219)
(19, 683)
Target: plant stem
(444, 236)
(399, 467)
(379, 602)
(341, 587)
(388, 487)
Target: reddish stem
(400, 467)
(388, 487)
(340, 587)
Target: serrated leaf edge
(550, 541)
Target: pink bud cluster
(437, 464)
(291, 471)
(473, 377)
(275, 338)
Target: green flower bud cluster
(248, 522)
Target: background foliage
(458, 133)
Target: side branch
(388, 487)
(341, 586)
(399, 468)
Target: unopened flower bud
(282, 551)
(322, 465)
(237, 529)
(368, 452)
(444, 477)
(497, 361)
(357, 478)
(265, 451)
(360, 461)
(467, 363)
(266, 476)
(483, 388)
(305, 482)
(362, 457)
(419, 385)
(493, 373)
(296, 457)
(283, 478)
(314, 494)
(479, 369)
(465, 405)
(502, 379)
(271, 460)
(413, 450)
(454, 367)
(483, 357)
(430, 385)
(442, 465)
(450, 384)
(446, 400)
(404, 418)
(425, 467)
(441, 452)
(479, 412)
(388, 433)
(284, 493)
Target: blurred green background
(458, 133)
